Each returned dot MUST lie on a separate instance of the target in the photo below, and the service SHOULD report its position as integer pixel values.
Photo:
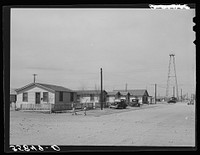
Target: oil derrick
(172, 78)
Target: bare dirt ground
(150, 125)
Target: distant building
(40, 96)
(13, 99)
(91, 96)
(140, 94)
(13, 96)
(112, 96)
(125, 95)
(160, 98)
(150, 99)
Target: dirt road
(160, 125)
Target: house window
(61, 96)
(91, 97)
(45, 96)
(25, 97)
(78, 97)
(71, 97)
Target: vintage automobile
(134, 103)
(191, 102)
(118, 104)
(172, 100)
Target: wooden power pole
(181, 96)
(101, 98)
(155, 92)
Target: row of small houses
(39, 96)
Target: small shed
(39, 96)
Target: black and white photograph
(102, 77)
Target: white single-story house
(112, 96)
(92, 97)
(141, 94)
(125, 95)
(44, 95)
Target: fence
(90, 105)
(46, 107)
(36, 107)
(57, 106)
(61, 106)
(82, 105)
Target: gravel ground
(149, 125)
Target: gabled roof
(112, 93)
(124, 92)
(48, 87)
(135, 92)
(55, 87)
(88, 92)
(138, 92)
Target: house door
(37, 98)
(144, 98)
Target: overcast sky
(68, 47)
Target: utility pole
(155, 92)
(34, 75)
(173, 91)
(126, 87)
(181, 96)
(101, 98)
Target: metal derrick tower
(172, 78)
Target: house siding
(31, 96)
(132, 97)
(96, 99)
(13, 98)
(85, 99)
(123, 97)
(140, 99)
(66, 97)
(111, 99)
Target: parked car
(118, 104)
(172, 100)
(191, 102)
(134, 103)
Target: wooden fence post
(50, 108)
